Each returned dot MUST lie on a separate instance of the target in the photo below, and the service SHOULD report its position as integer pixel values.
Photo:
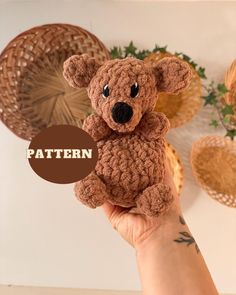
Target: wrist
(163, 232)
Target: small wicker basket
(213, 160)
(180, 108)
(176, 167)
(230, 97)
(34, 94)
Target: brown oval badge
(62, 154)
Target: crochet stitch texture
(130, 171)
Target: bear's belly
(128, 164)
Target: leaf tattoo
(188, 239)
(181, 220)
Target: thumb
(113, 212)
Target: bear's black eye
(134, 90)
(105, 92)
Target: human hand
(165, 265)
(134, 227)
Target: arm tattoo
(186, 238)
(181, 220)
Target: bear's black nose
(121, 112)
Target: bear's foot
(155, 200)
(91, 191)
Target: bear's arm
(153, 125)
(96, 127)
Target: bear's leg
(155, 199)
(91, 191)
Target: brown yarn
(172, 75)
(91, 191)
(81, 69)
(179, 108)
(99, 133)
(131, 164)
(33, 93)
(164, 198)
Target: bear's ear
(172, 74)
(79, 70)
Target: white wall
(46, 237)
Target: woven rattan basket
(230, 83)
(180, 108)
(33, 92)
(176, 167)
(213, 160)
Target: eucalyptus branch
(214, 96)
(218, 110)
(132, 50)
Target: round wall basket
(176, 167)
(33, 91)
(213, 160)
(230, 97)
(180, 108)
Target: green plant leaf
(210, 99)
(186, 57)
(130, 50)
(162, 49)
(214, 123)
(159, 49)
(227, 110)
(177, 53)
(201, 73)
(231, 134)
(226, 120)
(222, 88)
(116, 52)
(193, 64)
(141, 54)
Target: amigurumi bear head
(130, 171)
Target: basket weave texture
(33, 92)
(180, 108)
(230, 97)
(213, 160)
(176, 167)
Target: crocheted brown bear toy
(130, 171)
